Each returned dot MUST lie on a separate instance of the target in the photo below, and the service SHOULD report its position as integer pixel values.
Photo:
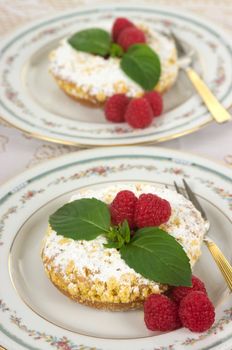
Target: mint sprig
(94, 40)
(116, 50)
(140, 62)
(118, 236)
(152, 252)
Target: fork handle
(218, 112)
(221, 261)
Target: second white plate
(31, 100)
(35, 315)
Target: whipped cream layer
(101, 78)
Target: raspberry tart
(96, 275)
(92, 79)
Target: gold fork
(219, 258)
(218, 112)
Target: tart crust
(96, 276)
(92, 79)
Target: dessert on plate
(91, 78)
(94, 270)
(131, 60)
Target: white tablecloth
(19, 152)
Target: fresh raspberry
(196, 312)
(115, 108)
(178, 293)
(161, 313)
(151, 210)
(156, 102)
(131, 36)
(119, 25)
(122, 208)
(139, 113)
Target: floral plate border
(138, 160)
(92, 167)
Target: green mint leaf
(115, 245)
(83, 219)
(112, 234)
(125, 231)
(117, 236)
(94, 40)
(142, 65)
(156, 255)
(120, 238)
(116, 50)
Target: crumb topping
(96, 76)
(104, 267)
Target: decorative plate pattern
(22, 198)
(24, 98)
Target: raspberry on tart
(131, 36)
(119, 25)
(93, 79)
(123, 207)
(151, 210)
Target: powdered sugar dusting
(94, 75)
(185, 224)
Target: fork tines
(188, 193)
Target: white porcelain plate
(32, 101)
(35, 315)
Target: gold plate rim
(42, 206)
(58, 140)
(48, 161)
(152, 140)
(162, 148)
